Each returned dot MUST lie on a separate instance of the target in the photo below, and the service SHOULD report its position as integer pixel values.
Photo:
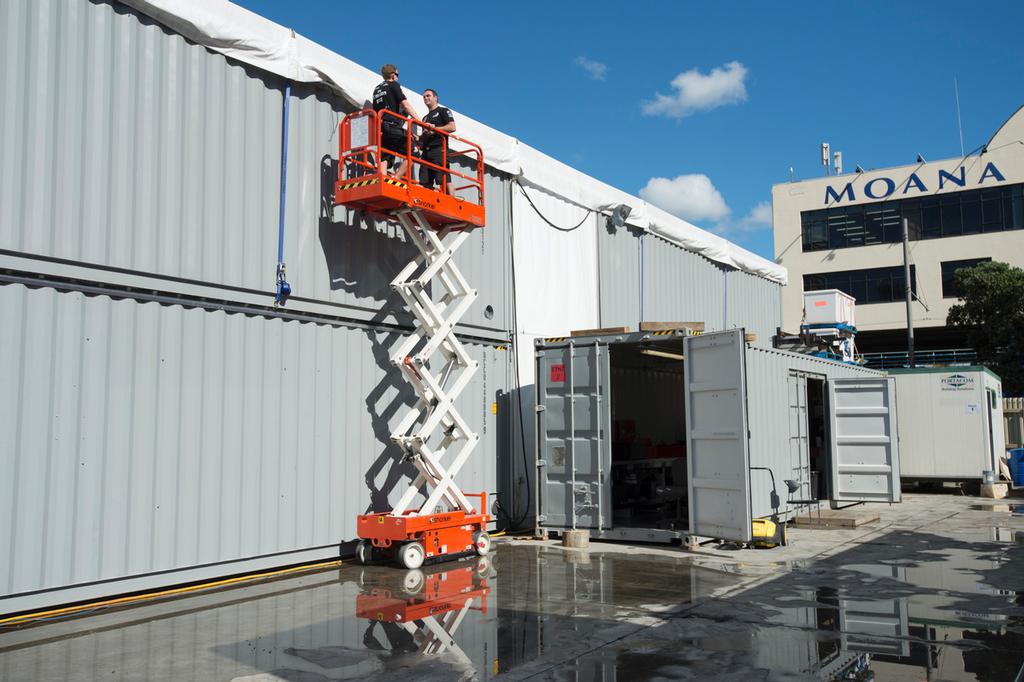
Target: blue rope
(283, 288)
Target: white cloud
(757, 220)
(759, 216)
(690, 197)
(695, 91)
(597, 70)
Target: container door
(799, 441)
(864, 456)
(718, 459)
(574, 436)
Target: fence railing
(947, 356)
(1013, 422)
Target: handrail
(361, 149)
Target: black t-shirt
(388, 95)
(438, 117)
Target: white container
(829, 306)
(950, 422)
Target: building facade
(845, 232)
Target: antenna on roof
(826, 158)
(959, 125)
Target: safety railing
(894, 359)
(362, 153)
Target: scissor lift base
(446, 535)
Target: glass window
(970, 210)
(952, 225)
(1015, 222)
(949, 270)
(874, 285)
(929, 217)
(911, 210)
(991, 210)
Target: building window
(930, 217)
(949, 269)
(875, 285)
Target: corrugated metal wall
(618, 252)
(149, 438)
(681, 286)
(753, 303)
(128, 147)
(768, 415)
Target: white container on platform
(829, 306)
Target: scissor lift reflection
(423, 608)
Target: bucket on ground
(1017, 465)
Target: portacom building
(844, 232)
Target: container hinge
(542, 463)
(539, 354)
(541, 517)
(540, 408)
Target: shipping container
(951, 421)
(670, 436)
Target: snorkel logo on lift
(957, 382)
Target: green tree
(992, 307)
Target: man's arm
(448, 127)
(409, 111)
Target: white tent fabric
(249, 38)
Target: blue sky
(747, 90)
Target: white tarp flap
(247, 37)
(554, 266)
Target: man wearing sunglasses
(388, 97)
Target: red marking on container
(558, 374)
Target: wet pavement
(934, 592)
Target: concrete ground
(934, 590)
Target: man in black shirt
(434, 145)
(388, 96)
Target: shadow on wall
(362, 254)
(516, 504)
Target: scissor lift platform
(363, 185)
(382, 195)
(432, 436)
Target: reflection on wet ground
(997, 507)
(906, 605)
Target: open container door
(718, 458)
(865, 463)
(574, 439)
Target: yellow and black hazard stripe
(555, 339)
(664, 332)
(396, 183)
(501, 348)
(358, 183)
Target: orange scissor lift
(432, 436)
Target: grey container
(751, 419)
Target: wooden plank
(835, 518)
(750, 337)
(598, 332)
(669, 326)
